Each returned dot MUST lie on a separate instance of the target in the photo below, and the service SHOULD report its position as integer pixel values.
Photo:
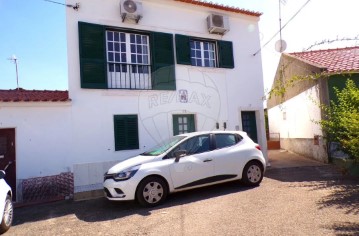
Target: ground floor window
(126, 132)
(183, 124)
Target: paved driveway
(292, 200)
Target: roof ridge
(221, 7)
(33, 90)
(327, 50)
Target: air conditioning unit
(217, 24)
(131, 10)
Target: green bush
(341, 123)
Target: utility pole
(14, 59)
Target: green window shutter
(92, 56)
(183, 49)
(175, 125)
(225, 54)
(126, 132)
(191, 125)
(163, 69)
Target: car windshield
(163, 147)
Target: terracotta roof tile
(221, 7)
(333, 60)
(22, 95)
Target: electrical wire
(280, 30)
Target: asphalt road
(313, 200)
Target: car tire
(6, 220)
(252, 173)
(152, 191)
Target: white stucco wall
(43, 138)
(294, 118)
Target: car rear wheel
(6, 220)
(252, 173)
(152, 191)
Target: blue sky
(34, 31)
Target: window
(183, 124)
(126, 132)
(225, 140)
(120, 58)
(203, 53)
(195, 145)
(128, 60)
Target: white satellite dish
(280, 46)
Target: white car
(184, 162)
(6, 206)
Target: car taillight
(258, 147)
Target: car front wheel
(6, 220)
(252, 174)
(152, 191)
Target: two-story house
(142, 71)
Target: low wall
(44, 189)
(313, 149)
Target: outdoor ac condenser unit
(131, 10)
(217, 24)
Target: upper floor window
(203, 53)
(128, 60)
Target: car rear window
(226, 140)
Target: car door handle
(207, 160)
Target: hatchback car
(6, 206)
(184, 162)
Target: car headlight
(126, 174)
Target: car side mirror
(2, 174)
(180, 153)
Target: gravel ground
(313, 200)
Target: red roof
(333, 60)
(221, 7)
(22, 95)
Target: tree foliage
(341, 123)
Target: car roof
(242, 133)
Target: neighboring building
(292, 114)
(135, 79)
(35, 137)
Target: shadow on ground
(343, 194)
(345, 228)
(102, 210)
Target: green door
(249, 124)
(183, 124)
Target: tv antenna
(75, 7)
(14, 59)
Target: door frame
(11, 170)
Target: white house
(293, 114)
(140, 72)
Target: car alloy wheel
(252, 174)
(151, 191)
(7, 216)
